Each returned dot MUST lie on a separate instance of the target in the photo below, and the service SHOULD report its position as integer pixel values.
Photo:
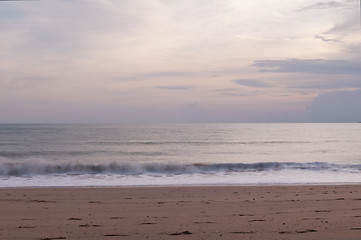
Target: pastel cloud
(252, 83)
(144, 60)
(324, 5)
(338, 106)
(316, 66)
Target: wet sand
(245, 212)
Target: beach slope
(233, 212)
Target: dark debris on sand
(116, 235)
(54, 238)
(242, 232)
(180, 233)
(307, 231)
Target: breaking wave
(32, 167)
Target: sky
(160, 61)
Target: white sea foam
(36, 167)
(233, 178)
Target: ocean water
(36, 155)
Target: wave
(32, 167)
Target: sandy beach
(244, 212)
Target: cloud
(175, 87)
(339, 106)
(328, 84)
(346, 26)
(235, 92)
(323, 5)
(252, 83)
(140, 76)
(315, 66)
(136, 60)
(325, 39)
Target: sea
(73, 155)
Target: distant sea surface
(39, 155)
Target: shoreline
(186, 185)
(182, 212)
(183, 186)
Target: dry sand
(245, 212)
